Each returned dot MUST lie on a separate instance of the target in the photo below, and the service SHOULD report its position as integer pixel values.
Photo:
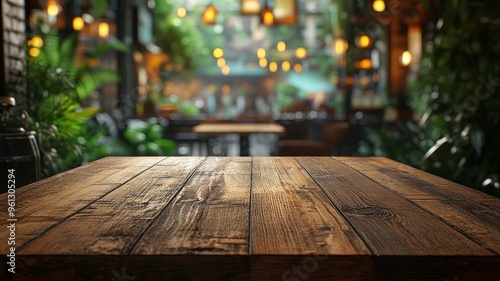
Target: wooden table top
(244, 218)
(239, 128)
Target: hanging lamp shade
(267, 17)
(209, 14)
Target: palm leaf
(110, 46)
(91, 81)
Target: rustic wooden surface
(244, 218)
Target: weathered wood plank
(210, 215)
(388, 223)
(260, 218)
(293, 221)
(419, 181)
(64, 194)
(112, 224)
(292, 216)
(478, 219)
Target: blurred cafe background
(416, 81)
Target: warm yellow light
(379, 6)
(218, 52)
(363, 64)
(297, 67)
(261, 53)
(250, 7)
(273, 66)
(267, 16)
(52, 8)
(34, 52)
(221, 62)
(406, 58)
(181, 12)
(301, 52)
(364, 41)
(341, 46)
(36, 42)
(78, 23)
(263, 62)
(225, 70)
(285, 66)
(209, 14)
(103, 29)
(281, 46)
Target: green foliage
(140, 138)
(457, 98)
(287, 94)
(56, 87)
(186, 108)
(178, 38)
(98, 8)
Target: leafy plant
(140, 138)
(56, 88)
(457, 99)
(178, 38)
(287, 94)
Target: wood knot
(368, 212)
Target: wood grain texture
(209, 216)
(74, 190)
(292, 216)
(112, 224)
(478, 219)
(389, 224)
(296, 229)
(261, 218)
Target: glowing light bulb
(379, 6)
(78, 23)
(406, 58)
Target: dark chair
(303, 148)
(336, 135)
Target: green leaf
(154, 132)
(110, 46)
(134, 137)
(167, 146)
(90, 81)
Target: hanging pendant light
(267, 16)
(209, 14)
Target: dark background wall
(13, 37)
